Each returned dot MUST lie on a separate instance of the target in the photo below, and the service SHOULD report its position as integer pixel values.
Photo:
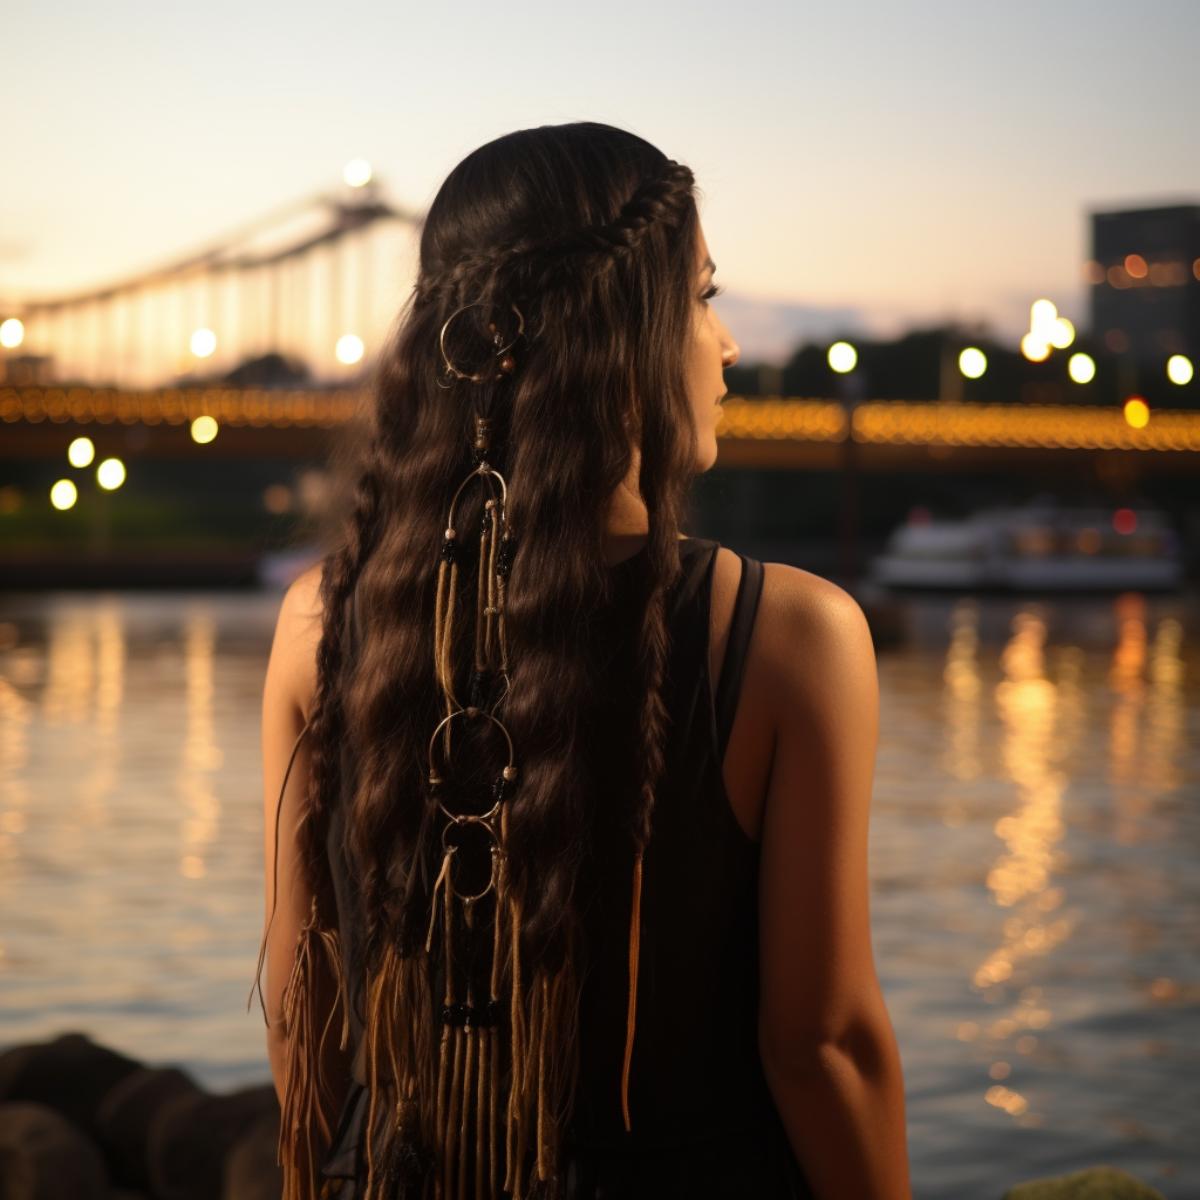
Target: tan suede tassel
(305, 1130)
(468, 1080)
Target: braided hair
(591, 231)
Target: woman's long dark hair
(591, 231)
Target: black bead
(479, 688)
(449, 549)
(454, 1014)
(504, 555)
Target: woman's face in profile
(712, 350)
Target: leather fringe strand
(635, 919)
(305, 1131)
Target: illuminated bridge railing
(773, 419)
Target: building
(1144, 274)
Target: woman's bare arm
(287, 698)
(827, 1045)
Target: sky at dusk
(863, 166)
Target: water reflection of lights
(1146, 723)
(201, 754)
(1029, 706)
(962, 706)
(15, 719)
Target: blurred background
(960, 246)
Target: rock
(251, 1170)
(43, 1156)
(70, 1074)
(191, 1137)
(1092, 1183)
(127, 1112)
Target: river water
(1034, 854)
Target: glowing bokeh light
(349, 349)
(277, 498)
(1137, 413)
(1062, 333)
(1081, 368)
(972, 362)
(203, 343)
(1135, 265)
(1034, 348)
(63, 494)
(110, 474)
(81, 451)
(1179, 369)
(357, 173)
(12, 333)
(842, 357)
(1042, 313)
(204, 429)
(1124, 520)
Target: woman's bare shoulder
(800, 614)
(298, 635)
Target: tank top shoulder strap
(733, 666)
(694, 556)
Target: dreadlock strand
(653, 722)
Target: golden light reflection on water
(105, 643)
(15, 719)
(962, 709)
(1146, 724)
(1035, 739)
(1042, 704)
(201, 754)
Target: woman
(571, 894)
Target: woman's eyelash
(716, 290)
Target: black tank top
(704, 1122)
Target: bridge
(313, 282)
(266, 336)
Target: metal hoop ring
(500, 351)
(471, 712)
(493, 854)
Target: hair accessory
(507, 363)
(469, 1067)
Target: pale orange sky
(892, 162)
